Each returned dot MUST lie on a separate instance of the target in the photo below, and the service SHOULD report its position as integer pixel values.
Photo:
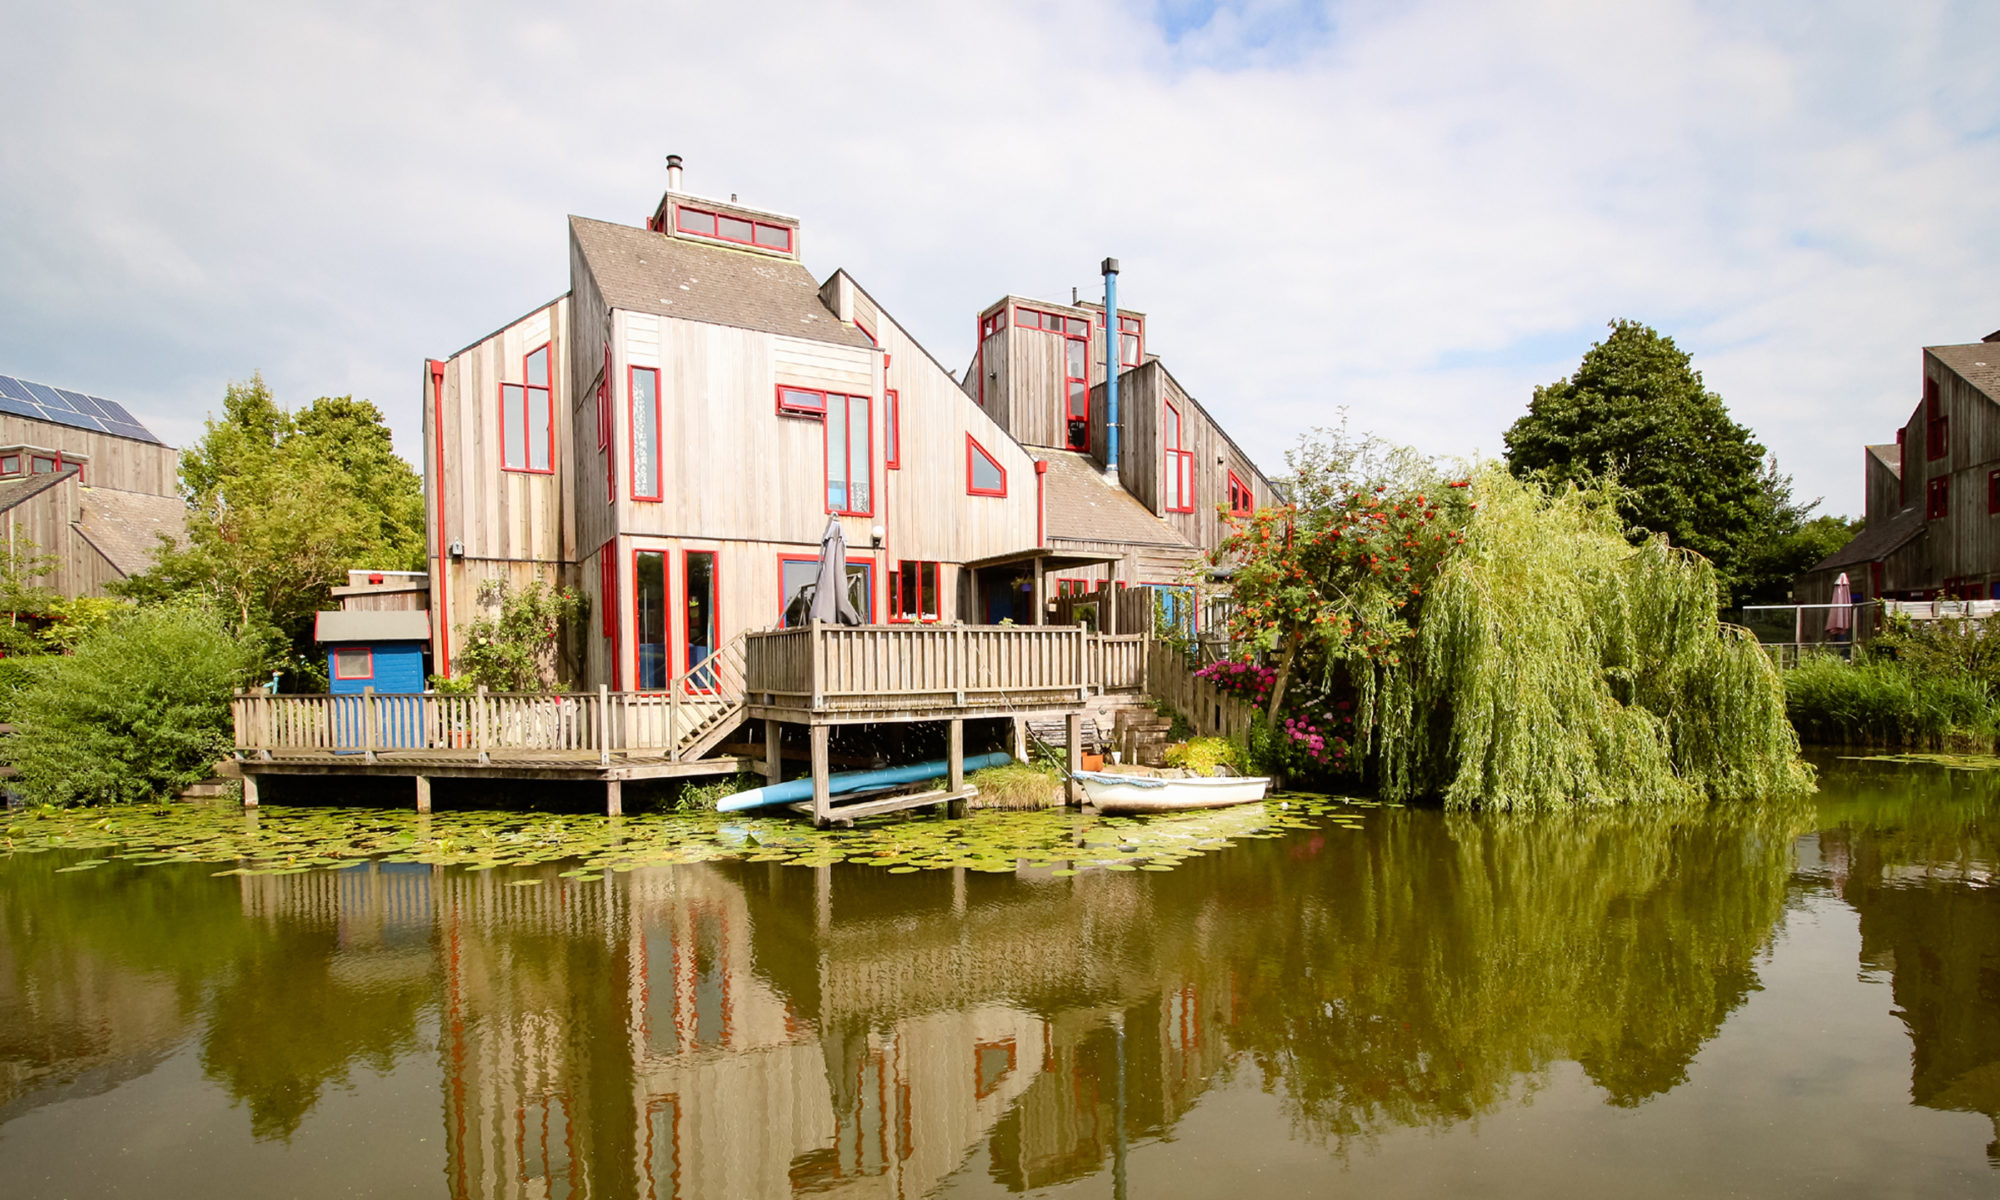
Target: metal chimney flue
(1110, 270)
(673, 172)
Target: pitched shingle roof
(125, 527)
(1978, 364)
(1083, 506)
(26, 487)
(1877, 541)
(641, 271)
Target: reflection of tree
(1436, 966)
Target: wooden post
(1040, 596)
(956, 754)
(822, 797)
(818, 668)
(1021, 739)
(614, 797)
(481, 733)
(774, 761)
(603, 725)
(423, 793)
(369, 716)
(1074, 721)
(249, 790)
(673, 714)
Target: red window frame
(607, 589)
(847, 459)
(667, 599)
(899, 592)
(1179, 463)
(527, 413)
(607, 422)
(892, 429)
(797, 405)
(1242, 501)
(10, 464)
(872, 339)
(1937, 425)
(1076, 425)
(973, 447)
(1902, 467)
(35, 462)
(992, 323)
(714, 619)
(632, 431)
(864, 560)
(1134, 328)
(1937, 498)
(714, 230)
(334, 661)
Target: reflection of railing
(896, 667)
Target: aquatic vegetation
(1016, 785)
(1889, 702)
(268, 841)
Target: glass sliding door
(649, 605)
(698, 600)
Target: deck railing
(830, 668)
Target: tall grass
(1887, 702)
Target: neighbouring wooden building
(81, 479)
(672, 434)
(1932, 496)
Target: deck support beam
(955, 756)
(822, 785)
(1074, 723)
(423, 793)
(614, 797)
(774, 763)
(249, 790)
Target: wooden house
(1039, 371)
(1933, 495)
(672, 434)
(83, 481)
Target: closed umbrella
(1840, 618)
(830, 603)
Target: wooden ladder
(715, 693)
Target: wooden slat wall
(590, 332)
(1883, 488)
(113, 462)
(1214, 457)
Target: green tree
(1636, 410)
(280, 507)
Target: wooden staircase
(711, 702)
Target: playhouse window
(850, 456)
(984, 476)
(354, 662)
(913, 592)
(527, 418)
(645, 393)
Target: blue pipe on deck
(1111, 360)
(854, 781)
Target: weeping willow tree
(1554, 664)
(1505, 645)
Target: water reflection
(737, 1029)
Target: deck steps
(1143, 737)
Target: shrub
(1203, 754)
(139, 711)
(1886, 701)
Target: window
(1937, 498)
(984, 476)
(644, 390)
(1028, 318)
(867, 333)
(797, 574)
(1131, 341)
(892, 430)
(1076, 386)
(850, 455)
(698, 611)
(527, 418)
(1902, 468)
(1937, 437)
(649, 610)
(913, 592)
(801, 402)
(1179, 465)
(1993, 491)
(42, 464)
(1241, 499)
(607, 588)
(726, 228)
(354, 662)
(10, 464)
(988, 326)
(605, 423)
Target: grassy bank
(1934, 687)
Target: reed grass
(1016, 785)
(1886, 702)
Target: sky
(1417, 210)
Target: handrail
(823, 667)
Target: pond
(1312, 999)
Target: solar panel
(79, 410)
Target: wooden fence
(1118, 662)
(898, 668)
(1212, 711)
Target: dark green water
(1798, 1004)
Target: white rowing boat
(1149, 794)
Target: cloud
(1417, 210)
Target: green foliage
(138, 712)
(703, 797)
(281, 506)
(516, 649)
(1785, 554)
(1637, 411)
(70, 621)
(1203, 754)
(1884, 702)
(1017, 785)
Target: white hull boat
(1149, 794)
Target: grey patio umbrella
(830, 603)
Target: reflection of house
(1933, 495)
(81, 479)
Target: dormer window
(725, 228)
(31, 460)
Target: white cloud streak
(1418, 210)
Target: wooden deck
(816, 677)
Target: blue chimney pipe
(1111, 356)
